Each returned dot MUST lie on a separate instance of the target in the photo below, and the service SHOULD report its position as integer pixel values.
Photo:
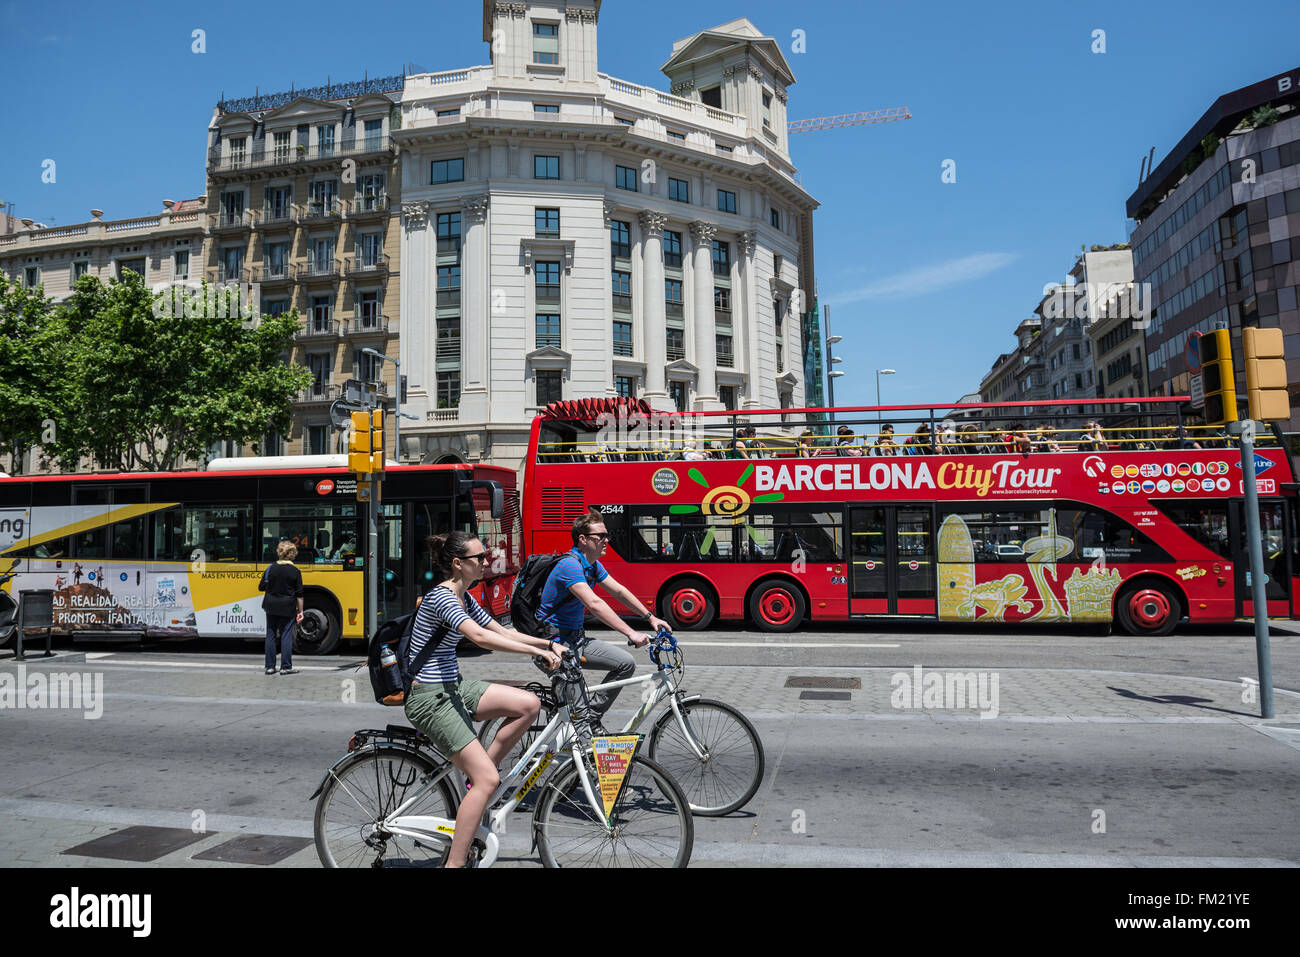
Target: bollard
(35, 610)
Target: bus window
(324, 532)
(1206, 522)
(776, 533)
(432, 518)
(222, 533)
(126, 540)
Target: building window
(622, 289)
(275, 307)
(367, 309)
(776, 217)
(448, 349)
(722, 300)
(548, 330)
(322, 313)
(449, 233)
(780, 357)
(374, 136)
(325, 140)
(672, 248)
(546, 167)
(319, 364)
(549, 387)
(625, 121)
(712, 97)
(181, 264)
(447, 114)
(620, 240)
(625, 385)
(673, 296)
(675, 340)
(548, 222)
(726, 201)
(625, 178)
(282, 146)
(679, 190)
(32, 277)
(448, 171)
(318, 438)
(677, 392)
(275, 263)
(675, 135)
(238, 148)
(546, 108)
(370, 191)
(546, 43)
(622, 338)
(232, 265)
(727, 396)
(272, 444)
(365, 366)
(721, 259)
(449, 285)
(722, 148)
(725, 355)
(276, 204)
(79, 270)
(449, 389)
(767, 109)
(548, 281)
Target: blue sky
(923, 277)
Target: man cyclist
(570, 592)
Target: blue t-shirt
(559, 606)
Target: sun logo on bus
(728, 501)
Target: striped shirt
(438, 619)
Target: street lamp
(879, 373)
(397, 419)
(831, 374)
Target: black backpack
(391, 686)
(526, 597)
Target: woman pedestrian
(442, 705)
(282, 603)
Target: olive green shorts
(445, 712)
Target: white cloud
(924, 280)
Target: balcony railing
(622, 300)
(726, 359)
(362, 325)
(318, 268)
(444, 415)
(324, 392)
(622, 348)
(277, 214)
(676, 352)
(363, 264)
(366, 205)
(230, 273)
(260, 156)
(722, 314)
(673, 309)
(273, 272)
(449, 348)
(449, 296)
(318, 329)
(230, 220)
(319, 209)
(449, 244)
(548, 292)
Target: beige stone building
(303, 194)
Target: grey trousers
(617, 662)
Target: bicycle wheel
(733, 767)
(365, 790)
(652, 821)
(487, 734)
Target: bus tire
(1148, 609)
(320, 629)
(777, 605)
(688, 604)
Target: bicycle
(708, 746)
(406, 802)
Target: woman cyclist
(443, 706)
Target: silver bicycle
(391, 801)
(709, 747)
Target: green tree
(31, 341)
(150, 385)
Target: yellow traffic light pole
(1268, 402)
(366, 461)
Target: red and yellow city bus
(180, 554)
(1006, 523)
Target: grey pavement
(1079, 767)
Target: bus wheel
(1148, 609)
(688, 605)
(777, 606)
(319, 631)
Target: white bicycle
(708, 746)
(391, 801)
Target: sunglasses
(478, 557)
(602, 537)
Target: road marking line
(691, 643)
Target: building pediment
(682, 369)
(548, 357)
(371, 103)
(235, 123)
(787, 381)
(725, 40)
(301, 107)
(533, 249)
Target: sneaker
(270, 671)
(288, 671)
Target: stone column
(417, 313)
(706, 342)
(744, 319)
(652, 308)
(475, 310)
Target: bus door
(395, 594)
(891, 560)
(1274, 520)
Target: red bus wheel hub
(776, 606)
(1149, 607)
(688, 605)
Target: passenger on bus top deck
(806, 449)
(846, 442)
(885, 444)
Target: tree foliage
(133, 383)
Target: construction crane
(848, 119)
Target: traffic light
(1217, 377)
(1266, 374)
(377, 440)
(360, 459)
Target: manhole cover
(139, 843)
(255, 849)
(813, 681)
(825, 696)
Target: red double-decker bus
(1081, 511)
